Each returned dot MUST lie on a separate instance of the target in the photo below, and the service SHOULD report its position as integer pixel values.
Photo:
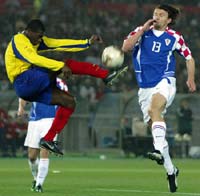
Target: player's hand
(20, 112)
(66, 72)
(147, 24)
(95, 39)
(191, 85)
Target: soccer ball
(112, 57)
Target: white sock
(34, 167)
(161, 144)
(169, 167)
(42, 171)
(159, 132)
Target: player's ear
(169, 20)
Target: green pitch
(95, 177)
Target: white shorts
(37, 130)
(166, 87)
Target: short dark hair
(172, 12)
(35, 25)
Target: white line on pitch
(143, 191)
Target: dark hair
(35, 25)
(172, 12)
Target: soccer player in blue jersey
(40, 120)
(153, 46)
(33, 75)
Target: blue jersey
(40, 110)
(153, 56)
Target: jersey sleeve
(66, 45)
(24, 50)
(182, 48)
(133, 33)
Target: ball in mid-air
(112, 57)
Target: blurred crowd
(12, 134)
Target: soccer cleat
(172, 180)
(38, 189)
(113, 75)
(51, 146)
(33, 185)
(156, 156)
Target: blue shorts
(35, 85)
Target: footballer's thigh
(157, 106)
(165, 91)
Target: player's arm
(190, 64)
(132, 39)
(135, 36)
(67, 45)
(24, 50)
(21, 107)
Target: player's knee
(65, 100)
(71, 103)
(44, 153)
(32, 159)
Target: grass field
(84, 176)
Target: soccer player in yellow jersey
(34, 76)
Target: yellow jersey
(21, 53)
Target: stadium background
(102, 113)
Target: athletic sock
(86, 68)
(33, 167)
(62, 116)
(43, 168)
(159, 132)
(161, 144)
(169, 167)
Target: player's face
(34, 37)
(161, 19)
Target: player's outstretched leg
(86, 68)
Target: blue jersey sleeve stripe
(43, 46)
(17, 53)
(77, 46)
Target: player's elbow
(126, 47)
